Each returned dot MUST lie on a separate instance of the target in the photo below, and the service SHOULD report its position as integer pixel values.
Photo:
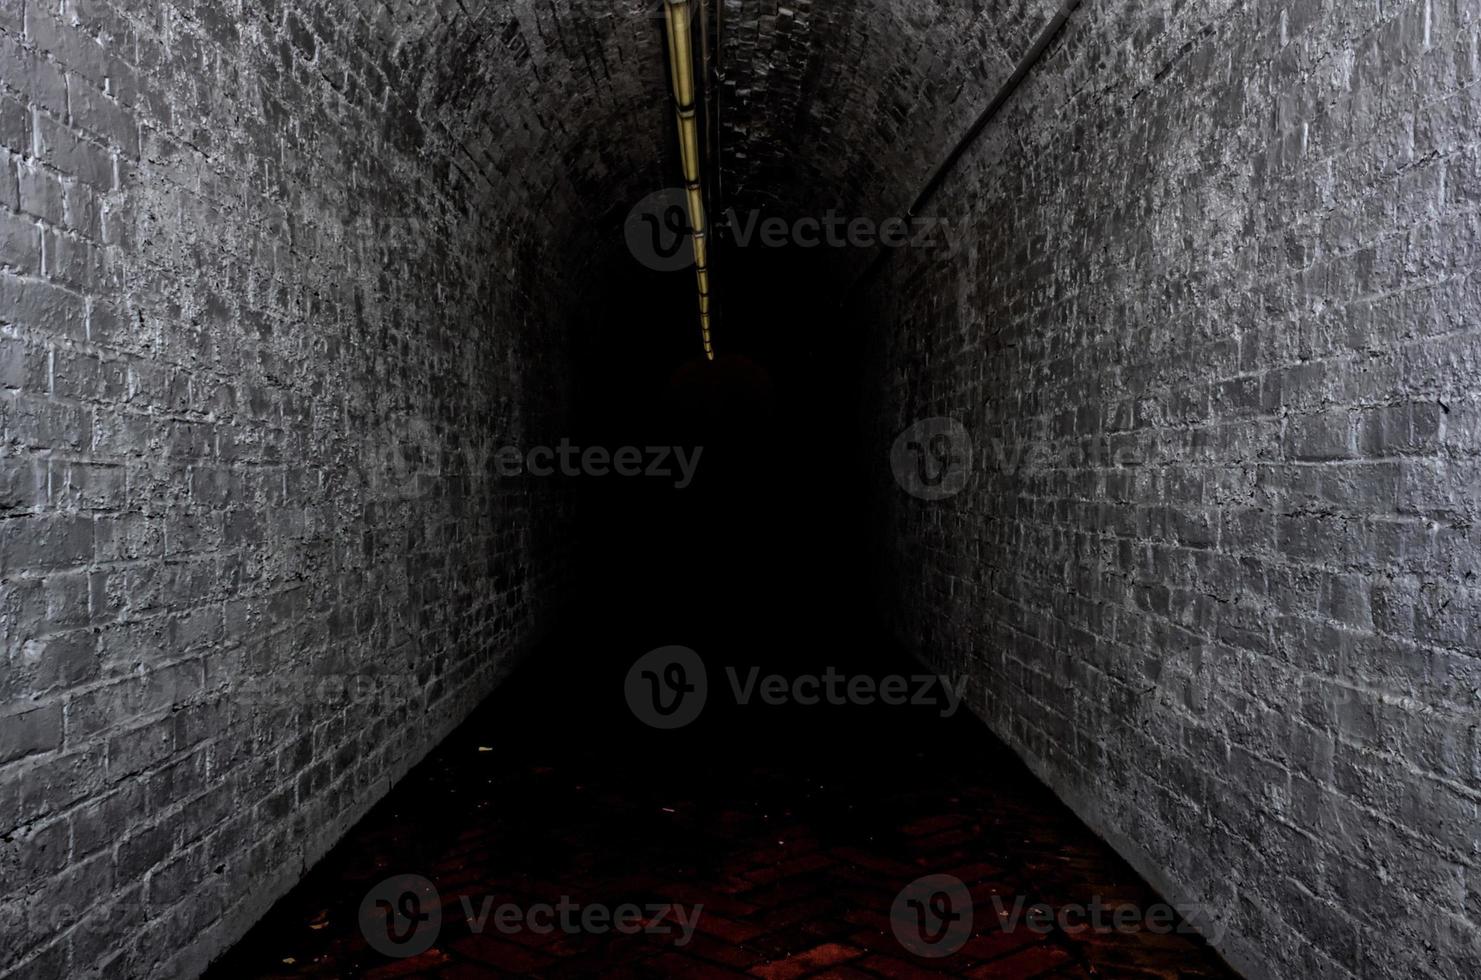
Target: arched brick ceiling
(552, 115)
(545, 114)
(851, 104)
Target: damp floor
(788, 836)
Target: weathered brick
(74, 263)
(15, 126)
(59, 147)
(41, 306)
(28, 731)
(61, 660)
(42, 194)
(149, 845)
(1328, 436)
(1400, 429)
(205, 437)
(20, 244)
(299, 34)
(10, 195)
(65, 45)
(135, 749)
(13, 356)
(104, 118)
(54, 783)
(1320, 339)
(58, 541)
(38, 82)
(11, 12)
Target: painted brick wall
(1216, 344)
(272, 290)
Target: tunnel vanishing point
(1116, 363)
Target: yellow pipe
(682, 57)
(689, 145)
(696, 208)
(679, 27)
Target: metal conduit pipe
(680, 27)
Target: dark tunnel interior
(763, 544)
(740, 488)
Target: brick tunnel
(957, 489)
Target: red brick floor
(793, 830)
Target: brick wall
(275, 280)
(1215, 341)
